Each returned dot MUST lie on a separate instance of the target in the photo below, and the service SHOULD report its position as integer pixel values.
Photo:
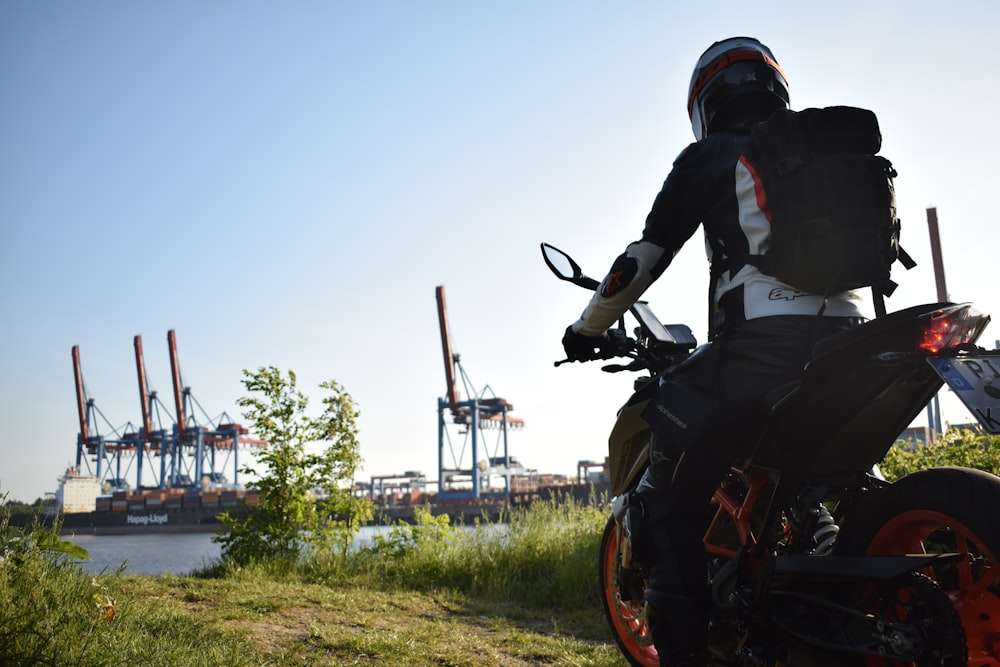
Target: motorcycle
(812, 558)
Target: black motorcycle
(812, 558)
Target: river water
(161, 553)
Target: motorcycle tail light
(952, 327)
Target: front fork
(628, 511)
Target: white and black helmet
(735, 80)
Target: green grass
(537, 556)
(522, 592)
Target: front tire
(626, 617)
(942, 510)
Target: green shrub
(306, 502)
(969, 448)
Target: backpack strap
(905, 259)
(878, 300)
(879, 292)
(715, 271)
(722, 262)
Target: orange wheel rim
(973, 583)
(627, 617)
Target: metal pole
(506, 453)
(936, 255)
(474, 430)
(442, 404)
(942, 295)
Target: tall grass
(49, 610)
(541, 555)
(53, 613)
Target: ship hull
(129, 522)
(148, 521)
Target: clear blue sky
(286, 183)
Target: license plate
(975, 379)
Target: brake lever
(634, 365)
(557, 364)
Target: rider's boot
(679, 628)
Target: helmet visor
(734, 76)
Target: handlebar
(644, 351)
(616, 343)
(655, 346)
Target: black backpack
(831, 200)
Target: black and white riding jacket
(713, 183)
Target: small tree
(306, 501)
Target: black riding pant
(723, 405)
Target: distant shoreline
(205, 519)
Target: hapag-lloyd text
(145, 519)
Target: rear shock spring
(826, 531)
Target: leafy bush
(970, 448)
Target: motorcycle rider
(707, 415)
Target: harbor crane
(112, 455)
(479, 411)
(199, 446)
(152, 444)
(191, 455)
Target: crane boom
(449, 357)
(140, 366)
(175, 373)
(81, 398)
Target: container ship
(84, 506)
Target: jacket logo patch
(781, 293)
(672, 417)
(613, 283)
(621, 274)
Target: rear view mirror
(565, 268)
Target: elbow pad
(628, 278)
(621, 275)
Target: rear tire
(941, 510)
(626, 618)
